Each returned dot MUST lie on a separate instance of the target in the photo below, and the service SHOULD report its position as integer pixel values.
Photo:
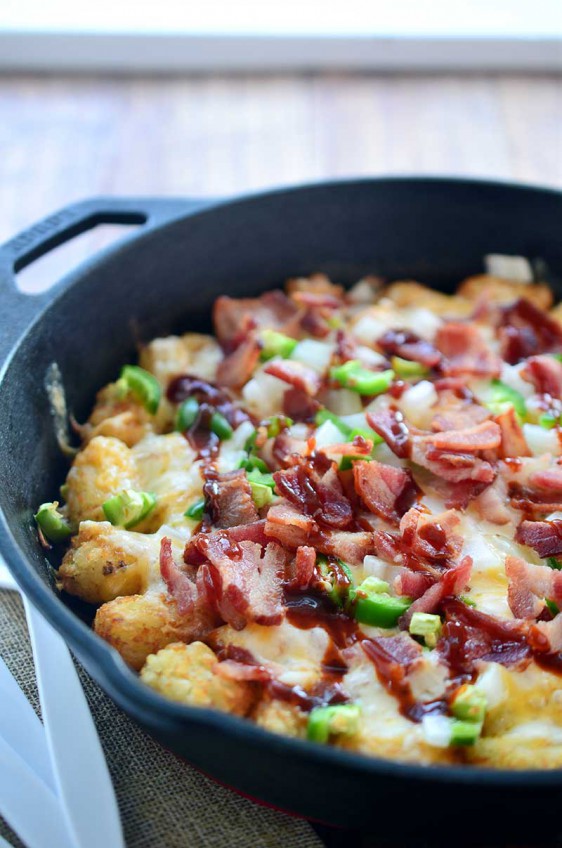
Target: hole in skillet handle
(35, 276)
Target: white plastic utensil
(29, 807)
(81, 774)
(21, 729)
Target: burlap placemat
(164, 803)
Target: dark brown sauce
(308, 610)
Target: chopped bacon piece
(528, 330)
(529, 585)
(305, 560)
(465, 351)
(358, 447)
(452, 582)
(386, 491)
(394, 657)
(246, 579)
(296, 374)
(322, 300)
(513, 442)
(389, 424)
(452, 414)
(431, 536)
(229, 499)
(550, 479)
(449, 465)
(346, 347)
(299, 406)
(413, 584)
(545, 373)
(546, 636)
(237, 367)
(293, 530)
(350, 547)
(233, 318)
(545, 537)
(470, 636)
(321, 497)
(408, 345)
(491, 503)
(194, 553)
(388, 546)
(179, 584)
(236, 670)
(485, 436)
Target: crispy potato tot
(514, 751)
(105, 466)
(186, 673)
(315, 284)
(140, 625)
(280, 717)
(165, 466)
(192, 353)
(500, 290)
(113, 415)
(409, 293)
(104, 562)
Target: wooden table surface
(63, 139)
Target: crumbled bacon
(527, 330)
(429, 536)
(246, 580)
(233, 318)
(413, 584)
(359, 446)
(237, 367)
(513, 442)
(548, 479)
(296, 374)
(454, 414)
(529, 585)
(394, 657)
(299, 406)
(485, 436)
(545, 537)
(491, 503)
(389, 424)
(470, 636)
(229, 500)
(319, 496)
(236, 670)
(194, 553)
(452, 582)
(322, 300)
(545, 637)
(545, 373)
(450, 465)
(408, 345)
(465, 351)
(179, 584)
(385, 490)
(305, 560)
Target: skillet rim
(112, 674)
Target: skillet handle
(18, 310)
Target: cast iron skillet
(165, 278)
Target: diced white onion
(421, 321)
(369, 356)
(328, 434)
(316, 355)
(428, 679)
(541, 441)
(417, 401)
(515, 268)
(368, 329)
(554, 516)
(511, 376)
(240, 436)
(492, 683)
(436, 730)
(382, 453)
(358, 420)
(342, 402)
(263, 394)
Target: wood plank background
(66, 138)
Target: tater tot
(103, 468)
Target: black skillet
(165, 278)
